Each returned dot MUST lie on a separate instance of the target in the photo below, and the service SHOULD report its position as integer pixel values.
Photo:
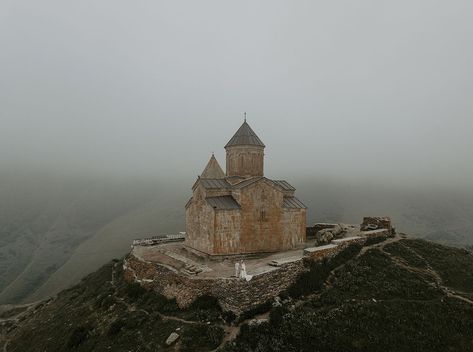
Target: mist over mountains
(54, 228)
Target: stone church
(240, 211)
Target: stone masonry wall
(244, 160)
(233, 294)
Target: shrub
(276, 316)
(205, 302)
(229, 316)
(78, 336)
(116, 327)
(374, 240)
(201, 337)
(313, 280)
(134, 290)
(258, 309)
(152, 300)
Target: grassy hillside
(48, 222)
(396, 295)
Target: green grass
(454, 265)
(93, 316)
(365, 326)
(370, 304)
(402, 250)
(375, 275)
(373, 305)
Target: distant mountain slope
(56, 229)
(395, 295)
(111, 241)
(43, 222)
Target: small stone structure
(375, 223)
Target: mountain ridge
(365, 298)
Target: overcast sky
(378, 90)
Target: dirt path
(428, 270)
(232, 331)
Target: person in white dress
(237, 269)
(242, 270)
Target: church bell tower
(245, 153)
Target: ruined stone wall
(245, 161)
(233, 294)
(378, 222)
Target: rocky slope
(395, 295)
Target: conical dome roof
(245, 136)
(213, 169)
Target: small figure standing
(237, 269)
(242, 270)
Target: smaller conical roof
(245, 136)
(213, 169)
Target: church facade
(240, 211)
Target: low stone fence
(154, 240)
(233, 294)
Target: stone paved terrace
(182, 259)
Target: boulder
(337, 230)
(172, 338)
(324, 236)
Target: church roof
(292, 203)
(245, 136)
(223, 203)
(222, 183)
(247, 182)
(213, 169)
(215, 183)
(286, 186)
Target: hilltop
(396, 294)
(56, 229)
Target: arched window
(263, 215)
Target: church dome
(245, 136)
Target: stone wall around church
(233, 294)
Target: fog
(378, 91)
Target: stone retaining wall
(233, 294)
